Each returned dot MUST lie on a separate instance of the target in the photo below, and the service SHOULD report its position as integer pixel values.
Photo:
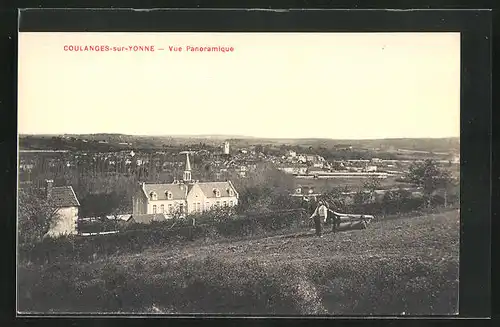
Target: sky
(277, 85)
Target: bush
(388, 207)
(138, 237)
(104, 225)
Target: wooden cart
(345, 221)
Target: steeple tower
(187, 169)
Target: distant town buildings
(309, 192)
(186, 196)
(296, 169)
(306, 192)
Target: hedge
(158, 234)
(209, 226)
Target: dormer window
(153, 196)
(217, 193)
(230, 191)
(168, 194)
(298, 191)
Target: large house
(186, 196)
(63, 198)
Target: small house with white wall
(64, 199)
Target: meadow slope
(396, 266)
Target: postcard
(255, 174)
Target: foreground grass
(396, 266)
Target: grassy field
(396, 266)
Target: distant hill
(70, 141)
(417, 144)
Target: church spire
(187, 169)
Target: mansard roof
(180, 190)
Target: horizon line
(239, 136)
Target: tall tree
(36, 214)
(430, 177)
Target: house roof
(147, 219)
(179, 191)
(64, 196)
(224, 187)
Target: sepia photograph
(255, 174)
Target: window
(231, 203)
(154, 209)
(162, 208)
(298, 191)
(224, 204)
(153, 195)
(207, 205)
(169, 195)
(198, 207)
(169, 208)
(217, 193)
(181, 207)
(230, 191)
(218, 203)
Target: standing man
(319, 215)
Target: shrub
(103, 225)
(138, 237)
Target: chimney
(48, 188)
